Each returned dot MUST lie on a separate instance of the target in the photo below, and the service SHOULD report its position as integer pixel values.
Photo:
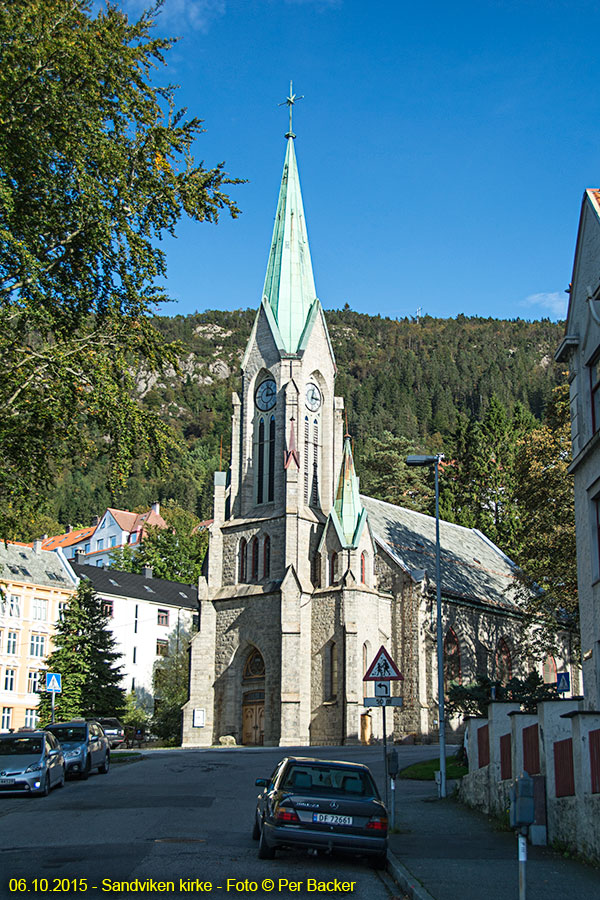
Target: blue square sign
(53, 682)
(563, 682)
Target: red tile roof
(66, 540)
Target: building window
(37, 645)
(331, 680)
(163, 617)
(254, 545)
(314, 498)
(100, 544)
(133, 684)
(108, 608)
(365, 656)
(306, 459)
(33, 682)
(549, 670)
(135, 655)
(113, 541)
(11, 642)
(14, 606)
(595, 389)
(266, 556)
(87, 548)
(31, 718)
(62, 608)
(40, 609)
(6, 717)
(452, 670)
(254, 666)
(9, 679)
(135, 622)
(271, 473)
(261, 462)
(242, 560)
(503, 662)
(162, 648)
(363, 567)
(315, 570)
(333, 568)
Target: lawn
(425, 771)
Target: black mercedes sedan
(321, 805)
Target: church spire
(347, 506)
(289, 283)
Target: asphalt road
(178, 816)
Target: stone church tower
(290, 604)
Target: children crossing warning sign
(383, 668)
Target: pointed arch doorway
(253, 699)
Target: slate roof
(126, 584)
(473, 568)
(21, 563)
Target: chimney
(80, 557)
(95, 521)
(37, 546)
(69, 529)
(147, 571)
(156, 508)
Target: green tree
(474, 698)
(175, 553)
(95, 166)
(170, 682)
(84, 655)
(385, 475)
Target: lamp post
(435, 462)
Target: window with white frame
(33, 681)
(113, 541)
(9, 679)
(40, 609)
(14, 606)
(163, 617)
(100, 544)
(6, 717)
(108, 608)
(62, 608)
(37, 645)
(11, 642)
(31, 718)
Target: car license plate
(330, 819)
(7, 780)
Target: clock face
(266, 394)
(313, 396)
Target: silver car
(85, 747)
(30, 763)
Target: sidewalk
(447, 851)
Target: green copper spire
(347, 506)
(289, 284)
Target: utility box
(522, 807)
(392, 761)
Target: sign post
(382, 670)
(54, 687)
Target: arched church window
(254, 666)
(331, 679)
(254, 546)
(315, 570)
(333, 568)
(260, 473)
(306, 459)
(503, 662)
(242, 560)
(365, 660)
(549, 670)
(452, 669)
(363, 567)
(314, 499)
(267, 556)
(271, 473)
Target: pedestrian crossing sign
(53, 682)
(383, 668)
(563, 682)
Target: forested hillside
(407, 385)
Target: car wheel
(103, 769)
(44, 791)
(264, 851)
(256, 829)
(61, 780)
(380, 861)
(88, 768)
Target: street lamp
(435, 462)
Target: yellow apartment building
(35, 587)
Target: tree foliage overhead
(84, 655)
(95, 165)
(474, 698)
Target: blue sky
(443, 149)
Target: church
(306, 578)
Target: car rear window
(20, 746)
(68, 733)
(316, 779)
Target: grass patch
(425, 771)
(125, 756)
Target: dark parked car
(85, 746)
(321, 805)
(30, 763)
(113, 730)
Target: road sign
(563, 682)
(382, 689)
(382, 701)
(53, 682)
(383, 668)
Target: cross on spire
(289, 101)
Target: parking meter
(522, 807)
(393, 763)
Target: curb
(407, 882)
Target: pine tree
(85, 657)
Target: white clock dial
(313, 396)
(266, 394)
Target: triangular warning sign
(383, 668)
